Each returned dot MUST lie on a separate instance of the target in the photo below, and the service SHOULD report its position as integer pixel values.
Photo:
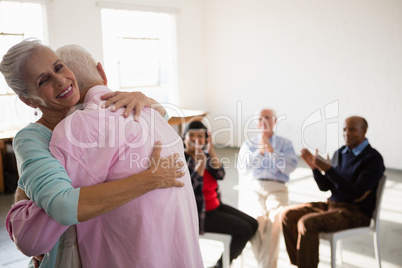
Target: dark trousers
(228, 220)
(303, 222)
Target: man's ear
(28, 102)
(102, 73)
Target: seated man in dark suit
(352, 177)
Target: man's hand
(131, 101)
(315, 161)
(265, 145)
(166, 170)
(358, 200)
(308, 158)
(323, 164)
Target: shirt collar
(92, 92)
(356, 151)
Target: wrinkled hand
(308, 158)
(323, 164)
(37, 260)
(316, 161)
(358, 200)
(265, 145)
(166, 170)
(131, 100)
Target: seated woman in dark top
(205, 169)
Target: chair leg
(341, 250)
(333, 253)
(377, 253)
(226, 256)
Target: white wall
(301, 56)
(297, 56)
(79, 22)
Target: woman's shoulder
(33, 132)
(33, 129)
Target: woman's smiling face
(193, 137)
(52, 85)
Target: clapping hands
(265, 145)
(316, 161)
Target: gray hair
(81, 63)
(13, 62)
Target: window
(139, 52)
(18, 21)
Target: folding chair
(373, 229)
(225, 239)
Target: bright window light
(18, 21)
(139, 52)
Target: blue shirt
(275, 166)
(356, 151)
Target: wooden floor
(358, 252)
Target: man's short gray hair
(13, 62)
(81, 63)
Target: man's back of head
(82, 64)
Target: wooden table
(5, 137)
(183, 116)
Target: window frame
(172, 93)
(15, 117)
(45, 41)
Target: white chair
(373, 229)
(225, 239)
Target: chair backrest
(380, 191)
